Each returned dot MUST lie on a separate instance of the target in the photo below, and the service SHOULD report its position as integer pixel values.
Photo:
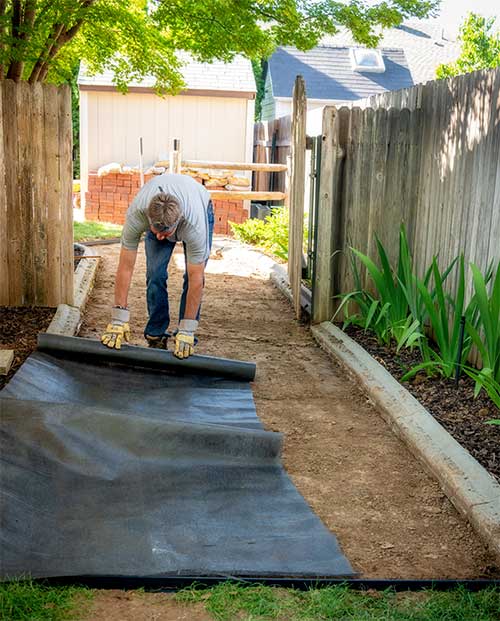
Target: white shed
(213, 117)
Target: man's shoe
(158, 342)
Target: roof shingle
(328, 73)
(233, 76)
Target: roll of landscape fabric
(149, 358)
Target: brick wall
(108, 198)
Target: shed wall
(209, 127)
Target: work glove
(185, 339)
(118, 330)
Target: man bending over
(169, 209)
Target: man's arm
(118, 329)
(184, 338)
(124, 276)
(196, 282)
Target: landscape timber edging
(67, 319)
(471, 489)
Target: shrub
(270, 234)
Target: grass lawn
(229, 601)
(86, 231)
(25, 601)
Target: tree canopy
(480, 47)
(40, 40)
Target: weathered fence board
(428, 157)
(272, 144)
(328, 222)
(36, 234)
(297, 189)
(4, 280)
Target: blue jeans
(158, 255)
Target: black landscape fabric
(110, 469)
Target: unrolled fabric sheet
(114, 470)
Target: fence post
(297, 189)
(329, 216)
(175, 157)
(36, 224)
(4, 257)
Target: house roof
(234, 76)
(426, 43)
(328, 73)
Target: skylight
(365, 60)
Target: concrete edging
(68, 317)
(471, 489)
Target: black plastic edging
(175, 583)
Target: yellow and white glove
(185, 339)
(118, 330)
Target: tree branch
(16, 66)
(16, 17)
(59, 37)
(35, 72)
(3, 30)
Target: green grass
(28, 601)
(85, 231)
(229, 601)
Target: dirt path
(390, 517)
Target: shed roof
(234, 76)
(328, 73)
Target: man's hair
(163, 211)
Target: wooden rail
(235, 195)
(235, 166)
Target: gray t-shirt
(192, 229)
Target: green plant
(252, 231)
(444, 316)
(485, 380)
(270, 234)
(480, 47)
(487, 337)
(388, 314)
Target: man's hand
(118, 330)
(184, 338)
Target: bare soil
(19, 328)
(116, 605)
(455, 407)
(390, 516)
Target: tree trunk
(23, 19)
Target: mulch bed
(454, 407)
(19, 327)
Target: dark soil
(19, 327)
(454, 407)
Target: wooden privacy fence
(272, 145)
(434, 167)
(36, 223)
